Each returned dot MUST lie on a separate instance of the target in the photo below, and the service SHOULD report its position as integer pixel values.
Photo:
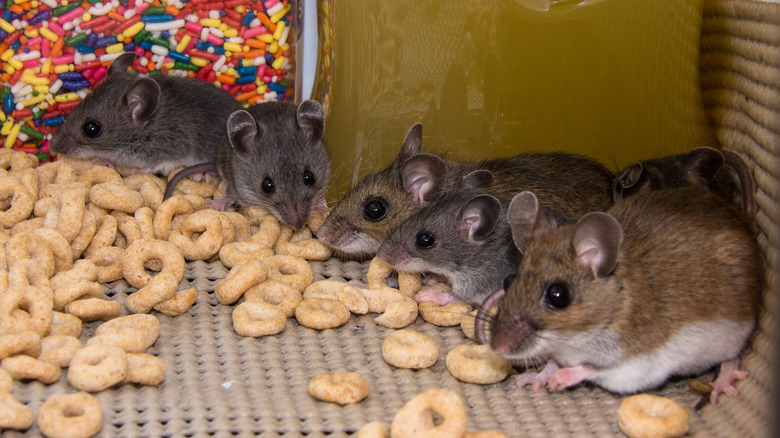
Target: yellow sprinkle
(285, 47)
(11, 139)
(7, 54)
(31, 32)
(183, 43)
(233, 47)
(86, 16)
(200, 62)
(279, 30)
(46, 67)
(2, 116)
(7, 125)
(31, 79)
(278, 16)
(278, 62)
(32, 101)
(273, 47)
(132, 30)
(6, 26)
(59, 69)
(8, 69)
(210, 22)
(266, 38)
(114, 48)
(261, 89)
(247, 62)
(230, 33)
(66, 97)
(42, 89)
(223, 27)
(15, 63)
(49, 35)
(232, 72)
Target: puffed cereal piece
(173, 206)
(100, 174)
(107, 229)
(236, 252)
(35, 314)
(22, 367)
(77, 289)
(13, 414)
(309, 249)
(379, 298)
(443, 316)
(477, 364)
(343, 388)
(26, 246)
(258, 318)
(290, 270)
(65, 324)
(206, 224)
(467, 325)
(6, 381)
(133, 333)
(108, 261)
(96, 367)
(351, 296)
(321, 313)
(94, 309)
(27, 342)
(21, 201)
(398, 314)
(27, 273)
(87, 231)
(373, 429)
(145, 369)
(59, 349)
(378, 271)
(143, 250)
(415, 418)
(181, 302)
(240, 224)
(77, 415)
(162, 287)
(115, 196)
(409, 283)
(283, 296)
(652, 416)
(269, 228)
(410, 349)
(243, 276)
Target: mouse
(461, 236)
(150, 124)
(722, 171)
(273, 156)
(661, 285)
(569, 184)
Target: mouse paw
(438, 297)
(221, 204)
(537, 380)
(729, 374)
(566, 377)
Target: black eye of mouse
(268, 185)
(508, 281)
(308, 178)
(557, 295)
(375, 209)
(425, 240)
(92, 129)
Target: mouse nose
(295, 215)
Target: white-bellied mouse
(273, 157)
(152, 124)
(717, 170)
(570, 185)
(663, 284)
(462, 236)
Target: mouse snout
(394, 253)
(63, 144)
(295, 215)
(508, 335)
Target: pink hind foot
(438, 297)
(729, 374)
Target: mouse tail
(187, 172)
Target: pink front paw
(567, 377)
(438, 297)
(537, 380)
(221, 204)
(729, 374)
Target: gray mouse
(721, 171)
(462, 236)
(273, 156)
(661, 285)
(569, 184)
(152, 124)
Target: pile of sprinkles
(54, 52)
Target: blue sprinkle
(3, 34)
(157, 18)
(245, 80)
(9, 103)
(165, 34)
(275, 87)
(269, 58)
(129, 47)
(106, 41)
(84, 49)
(75, 85)
(247, 71)
(91, 40)
(247, 20)
(39, 17)
(178, 56)
(205, 46)
(7, 15)
(54, 121)
(16, 45)
(71, 76)
(146, 45)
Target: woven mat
(220, 384)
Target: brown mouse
(717, 170)
(660, 285)
(568, 185)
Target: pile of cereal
(54, 52)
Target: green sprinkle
(154, 10)
(185, 66)
(158, 41)
(4, 92)
(31, 132)
(140, 36)
(59, 10)
(72, 41)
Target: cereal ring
(29, 178)
(134, 333)
(477, 364)
(316, 220)
(415, 419)
(59, 247)
(59, 349)
(65, 324)
(115, 196)
(325, 289)
(443, 316)
(36, 314)
(128, 229)
(82, 270)
(647, 415)
(284, 297)
(410, 349)
(26, 272)
(145, 369)
(309, 249)
(344, 388)
(28, 343)
(269, 228)
(257, 318)
(100, 174)
(236, 252)
(94, 309)
(398, 314)
(27, 226)
(240, 224)
(181, 302)
(162, 287)
(228, 231)
(207, 225)
(373, 429)
(16, 160)
(144, 217)
(69, 214)
(321, 313)
(409, 283)
(291, 270)
(378, 299)
(54, 190)
(151, 187)
(140, 251)
(188, 186)
(107, 229)
(26, 246)
(85, 234)
(96, 367)
(77, 289)
(23, 366)
(173, 206)
(108, 261)
(21, 202)
(6, 383)
(57, 172)
(354, 299)
(378, 271)
(467, 325)
(13, 414)
(76, 415)
(241, 277)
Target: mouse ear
(142, 99)
(478, 179)
(479, 218)
(412, 144)
(631, 181)
(526, 218)
(311, 119)
(423, 177)
(121, 64)
(242, 130)
(701, 165)
(596, 240)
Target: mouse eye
(508, 281)
(375, 209)
(557, 295)
(92, 129)
(268, 185)
(308, 178)
(425, 240)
